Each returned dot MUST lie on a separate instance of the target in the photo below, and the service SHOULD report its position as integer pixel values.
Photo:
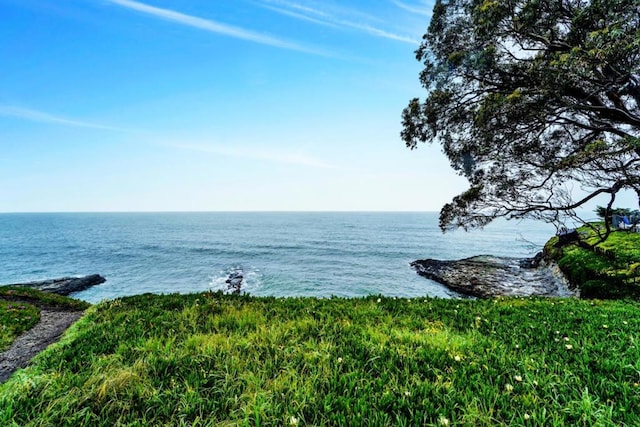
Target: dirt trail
(53, 323)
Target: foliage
(609, 269)
(210, 359)
(602, 211)
(531, 99)
(15, 318)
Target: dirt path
(53, 322)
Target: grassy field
(209, 359)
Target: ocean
(318, 254)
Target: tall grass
(209, 359)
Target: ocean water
(279, 254)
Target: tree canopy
(535, 102)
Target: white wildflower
(443, 421)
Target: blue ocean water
(280, 254)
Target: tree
(602, 212)
(535, 102)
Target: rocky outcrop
(65, 285)
(234, 282)
(489, 276)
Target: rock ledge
(487, 276)
(66, 285)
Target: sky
(225, 105)
(219, 105)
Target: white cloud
(213, 26)
(332, 18)
(42, 117)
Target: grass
(19, 313)
(15, 318)
(41, 298)
(610, 270)
(210, 359)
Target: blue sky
(221, 105)
(165, 105)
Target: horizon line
(215, 211)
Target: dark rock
(51, 326)
(234, 282)
(567, 236)
(488, 276)
(65, 285)
(531, 262)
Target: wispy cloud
(421, 9)
(382, 33)
(293, 158)
(334, 18)
(42, 117)
(301, 16)
(214, 26)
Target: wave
(251, 278)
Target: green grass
(610, 270)
(209, 359)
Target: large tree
(536, 103)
